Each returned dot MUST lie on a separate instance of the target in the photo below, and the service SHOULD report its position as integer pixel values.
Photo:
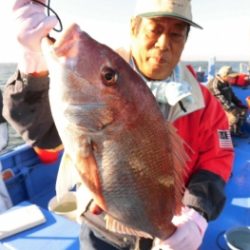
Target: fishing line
(49, 9)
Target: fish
(115, 137)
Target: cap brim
(173, 15)
(233, 74)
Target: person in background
(4, 133)
(159, 31)
(235, 110)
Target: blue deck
(237, 209)
(57, 233)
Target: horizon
(198, 65)
(225, 34)
(185, 60)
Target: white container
(66, 206)
(238, 238)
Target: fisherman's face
(157, 45)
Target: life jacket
(242, 80)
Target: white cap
(227, 71)
(178, 9)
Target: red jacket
(208, 150)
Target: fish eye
(109, 76)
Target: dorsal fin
(180, 157)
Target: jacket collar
(198, 99)
(176, 111)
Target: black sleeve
(26, 108)
(1, 108)
(205, 193)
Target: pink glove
(191, 227)
(31, 26)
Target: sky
(225, 34)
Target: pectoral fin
(89, 173)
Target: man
(235, 110)
(4, 133)
(159, 30)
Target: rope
(49, 9)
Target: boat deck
(236, 212)
(237, 209)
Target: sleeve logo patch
(225, 140)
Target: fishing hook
(49, 9)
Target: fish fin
(180, 157)
(88, 170)
(67, 176)
(118, 227)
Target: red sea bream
(114, 134)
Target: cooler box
(26, 178)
